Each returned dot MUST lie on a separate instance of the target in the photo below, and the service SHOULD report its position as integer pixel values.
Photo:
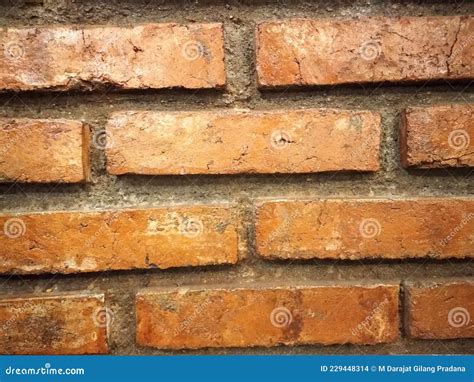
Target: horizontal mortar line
(237, 203)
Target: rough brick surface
(438, 136)
(354, 229)
(68, 242)
(35, 150)
(267, 317)
(324, 52)
(243, 142)
(67, 324)
(440, 310)
(146, 56)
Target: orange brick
(328, 51)
(177, 319)
(440, 310)
(65, 324)
(438, 136)
(140, 57)
(370, 228)
(37, 150)
(293, 141)
(68, 242)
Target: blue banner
(237, 368)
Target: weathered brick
(145, 56)
(440, 310)
(37, 150)
(63, 324)
(176, 319)
(68, 242)
(370, 228)
(293, 141)
(325, 52)
(438, 136)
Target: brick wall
(241, 177)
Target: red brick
(438, 136)
(37, 150)
(64, 324)
(440, 310)
(365, 228)
(68, 242)
(140, 57)
(177, 319)
(329, 51)
(292, 141)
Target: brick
(68, 242)
(292, 141)
(438, 136)
(146, 56)
(440, 310)
(184, 318)
(63, 324)
(329, 51)
(38, 150)
(365, 228)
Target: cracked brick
(44, 151)
(365, 228)
(378, 49)
(92, 241)
(221, 142)
(196, 318)
(437, 136)
(147, 56)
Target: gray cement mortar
(107, 191)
